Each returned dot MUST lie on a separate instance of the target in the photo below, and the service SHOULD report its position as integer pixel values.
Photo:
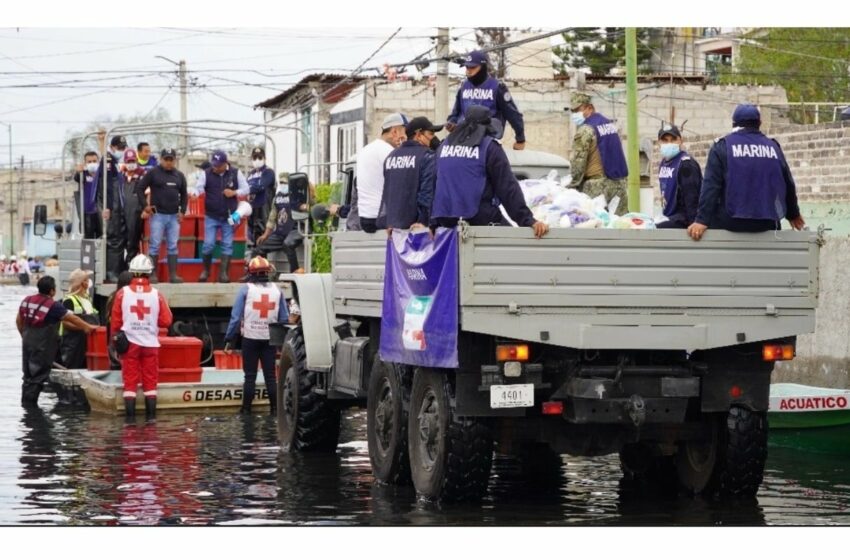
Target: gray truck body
(611, 289)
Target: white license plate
(511, 396)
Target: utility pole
(184, 91)
(441, 104)
(11, 180)
(632, 155)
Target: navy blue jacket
(506, 109)
(712, 201)
(501, 187)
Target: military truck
(586, 342)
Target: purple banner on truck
(419, 322)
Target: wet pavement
(61, 466)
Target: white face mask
(91, 167)
(258, 163)
(132, 166)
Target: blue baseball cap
(218, 157)
(475, 58)
(746, 114)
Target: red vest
(34, 310)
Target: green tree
(810, 63)
(76, 146)
(600, 49)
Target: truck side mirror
(39, 220)
(299, 189)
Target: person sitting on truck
(280, 226)
(168, 202)
(258, 303)
(748, 185)
(598, 164)
(37, 319)
(366, 201)
(221, 184)
(480, 88)
(139, 311)
(409, 178)
(72, 345)
(92, 205)
(474, 177)
(680, 177)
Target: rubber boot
(150, 408)
(152, 277)
(247, 396)
(273, 401)
(223, 270)
(172, 270)
(29, 395)
(205, 275)
(130, 408)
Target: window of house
(307, 127)
(346, 142)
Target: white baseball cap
(394, 119)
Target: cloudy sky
(53, 81)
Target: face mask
(577, 118)
(131, 166)
(258, 163)
(198, 175)
(118, 155)
(284, 188)
(435, 143)
(91, 167)
(669, 151)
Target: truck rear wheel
(450, 456)
(387, 407)
(731, 462)
(305, 419)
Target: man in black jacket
(168, 201)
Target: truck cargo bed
(611, 289)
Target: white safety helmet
(2, 257)
(23, 254)
(141, 264)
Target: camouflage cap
(578, 98)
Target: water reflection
(60, 465)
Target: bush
(328, 194)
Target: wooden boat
(218, 388)
(794, 406)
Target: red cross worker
(138, 313)
(258, 303)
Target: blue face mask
(577, 118)
(669, 151)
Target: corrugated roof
(334, 87)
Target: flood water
(68, 467)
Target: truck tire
(305, 419)
(387, 405)
(741, 469)
(731, 463)
(450, 456)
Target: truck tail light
(512, 353)
(777, 352)
(555, 408)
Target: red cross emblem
(264, 306)
(139, 309)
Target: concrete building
(28, 188)
(333, 116)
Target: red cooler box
(179, 352)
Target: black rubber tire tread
(742, 455)
(394, 468)
(317, 422)
(465, 457)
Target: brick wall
(707, 109)
(819, 157)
